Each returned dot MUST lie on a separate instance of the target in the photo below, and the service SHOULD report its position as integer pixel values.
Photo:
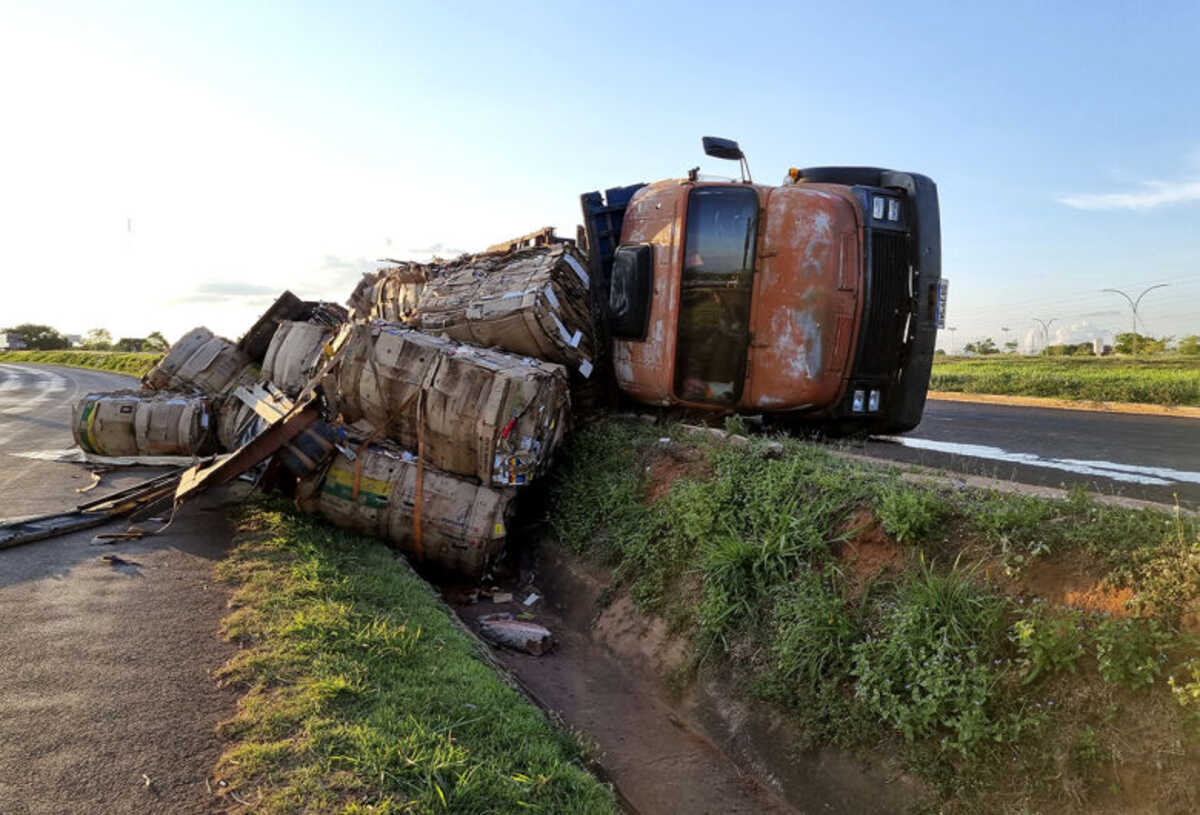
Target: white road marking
(1130, 473)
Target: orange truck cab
(819, 299)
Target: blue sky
(169, 166)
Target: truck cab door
(716, 288)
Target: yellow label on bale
(372, 492)
(498, 531)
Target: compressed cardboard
(485, 414)
(463, 525)
(126, 423)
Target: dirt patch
(667, 463)
(869, 553)
(1114, 602)
(643, 639)
(1074, 581)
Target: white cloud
(1152, 194)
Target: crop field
(1155, 380)
(118, 362)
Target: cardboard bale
(127, 423)
(200, 362)
(485, 414)
(533, 302)
(288, 308)
(463, 525)
(391, 294)
(294, 354)
(236, 422)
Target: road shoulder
(109, 701)
(1138, 408)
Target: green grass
(944, 660)
(362, 695)
(1154, 380)
(120, 362)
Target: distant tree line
(45, 338)
(1125, 343)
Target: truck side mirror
(629, 291)
(721, 148)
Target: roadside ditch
(666, 746)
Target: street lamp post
(1133, 305)
(1045, 324)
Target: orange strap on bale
(358, 459)
(420, 490)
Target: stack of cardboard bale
(187, 405)
(451, 386)
(443, 392)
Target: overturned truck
(420, 414)
(817, 300)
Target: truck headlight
(878, 203)
(873, 402)
(893, 209)
(858, 401)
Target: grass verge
(1155, 380)
(120, 362)
(361, 694)
(1018, 652)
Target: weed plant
(361, 695)
(746, 556)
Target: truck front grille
(887, 306)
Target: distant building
(11, 342)
(75, 340)
(1100, 349)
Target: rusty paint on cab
(805, 305)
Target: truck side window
(629, 292)
(714, 299)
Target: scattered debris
(133, 533)
(117, 560)
(97, 477)
(773, 449)
(519, 634)
(502, 597)
(531, 599)
(138, 497)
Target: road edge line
(917, 473)
(1138, 408)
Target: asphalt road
(1154, 458)
(106, 669)
(107, 701)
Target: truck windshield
(714, 305)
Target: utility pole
(951, 329)
(1133, 305)
(1045, 324)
